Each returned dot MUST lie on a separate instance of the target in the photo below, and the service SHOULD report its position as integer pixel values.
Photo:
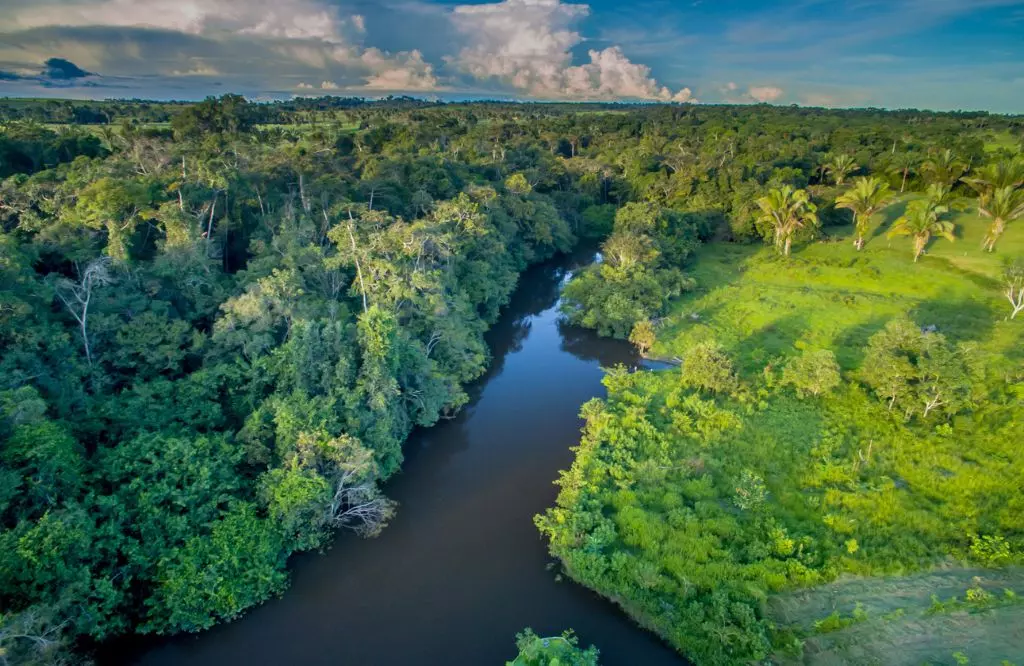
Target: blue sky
(938, 54)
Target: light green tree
(787, 211)
(943, 168)
(1002, 205)
(921, 221)
(867, 197)
(841, 166)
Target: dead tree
(77, 296)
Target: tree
(813, 372)
(1001, 205)
(921, 221)
(643, 336)
(840, 167)
(787, 211)
(1006, 173)
(915, 370)
(943, 168)
(1013, 280)
(77, 296)
(867, 197)
(561, 650)
(707, 367)
(902, 164)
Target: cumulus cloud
(765, 93)
(530, 47)
(527, 44)
(405, 72)
(290, 19)
(264, 43)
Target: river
(461, 568)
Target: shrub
(813, 372)
(706, 367)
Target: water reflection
(461, 569)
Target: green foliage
(707, 367)
(812, 373)
(554, 651)
(216, 577)
(916, 371)
(639, 271)
(216, 336)
(921, 221)
(784, 213)
(695, 509)
(643, 336)
(220, 321)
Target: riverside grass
(702, 514)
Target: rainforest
(791, 337)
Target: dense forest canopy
(220, 321)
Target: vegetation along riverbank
(220, 321)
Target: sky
(929, 54)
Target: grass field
(895, 621)
(828, 295)
(852, 502)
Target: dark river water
(461, 568)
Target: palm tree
(1002, 205)
(1008, 173)
(867, 197)
(788, 211)
(840, 167)
(943, 168)
(902, 164)
(921, 221)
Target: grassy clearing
(909, 620)
(703, 514)
(829, 296)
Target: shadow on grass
(958, 320)
(851, 344)
(887, 217)
(775, 339)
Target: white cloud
(329, 85)
(526, 44)
(197, 69)
(253, 40)
(286, 19)
(765, 93)
(304, 86)
(406, 71)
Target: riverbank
(774, 464)
(461, 558)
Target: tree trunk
(789, 241)
(904, 185)
(355, 255)
(209, 224)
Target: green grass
(899, 624)
(652, 515)
(828, 295)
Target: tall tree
(943, 168)
(788, 211)
(1006, 173)
(77, 296)
(867, 197)
(841, 166)
(921, 221)
(1002, 205)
